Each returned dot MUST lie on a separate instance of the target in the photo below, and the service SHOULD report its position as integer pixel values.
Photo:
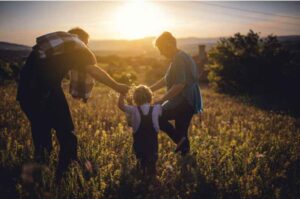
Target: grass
(237, 151)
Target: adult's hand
(158, 85)
(122, 88)
(174, 90)
(101, 76)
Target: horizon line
(153, 37)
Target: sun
(138, 19)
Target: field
(237, 151)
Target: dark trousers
(44, 115)
(182, 114)
(147, 165)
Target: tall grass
(237, 151)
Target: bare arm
(174, 90)
(158, 85)
(121, 103)
(101, 76)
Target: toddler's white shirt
(134, 116)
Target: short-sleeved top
(183, 69)
(38, 76)
(135, 119)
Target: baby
(145, 124)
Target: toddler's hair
(142, 94)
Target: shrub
(249, 64)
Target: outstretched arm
(174, 90)
(158, 85)
(101, 76)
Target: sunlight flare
(137, 19)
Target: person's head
(166, 43)
(142, 95)
(83, 35)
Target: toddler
(144, 120)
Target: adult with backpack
(41, 96)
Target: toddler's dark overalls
(145, 144)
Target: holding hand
(122, 88)
(100, 75)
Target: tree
(249, 64)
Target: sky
(22, 22)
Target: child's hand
(129, 100)
(123, 89)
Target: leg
(40, 129)
(42, 141)
(182, 123)
(63, 125)
(167, 127)
(143, 164)
(68, 151)
(151, 167)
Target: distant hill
(292, 43)
(10, 52)
(13, 46)
(146, 45)
(289, 38)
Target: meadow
(237, 151)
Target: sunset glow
(22, 22)
(139, 19)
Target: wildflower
(169, 167)
(259, 155)
(88, 165)
(27, 173)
